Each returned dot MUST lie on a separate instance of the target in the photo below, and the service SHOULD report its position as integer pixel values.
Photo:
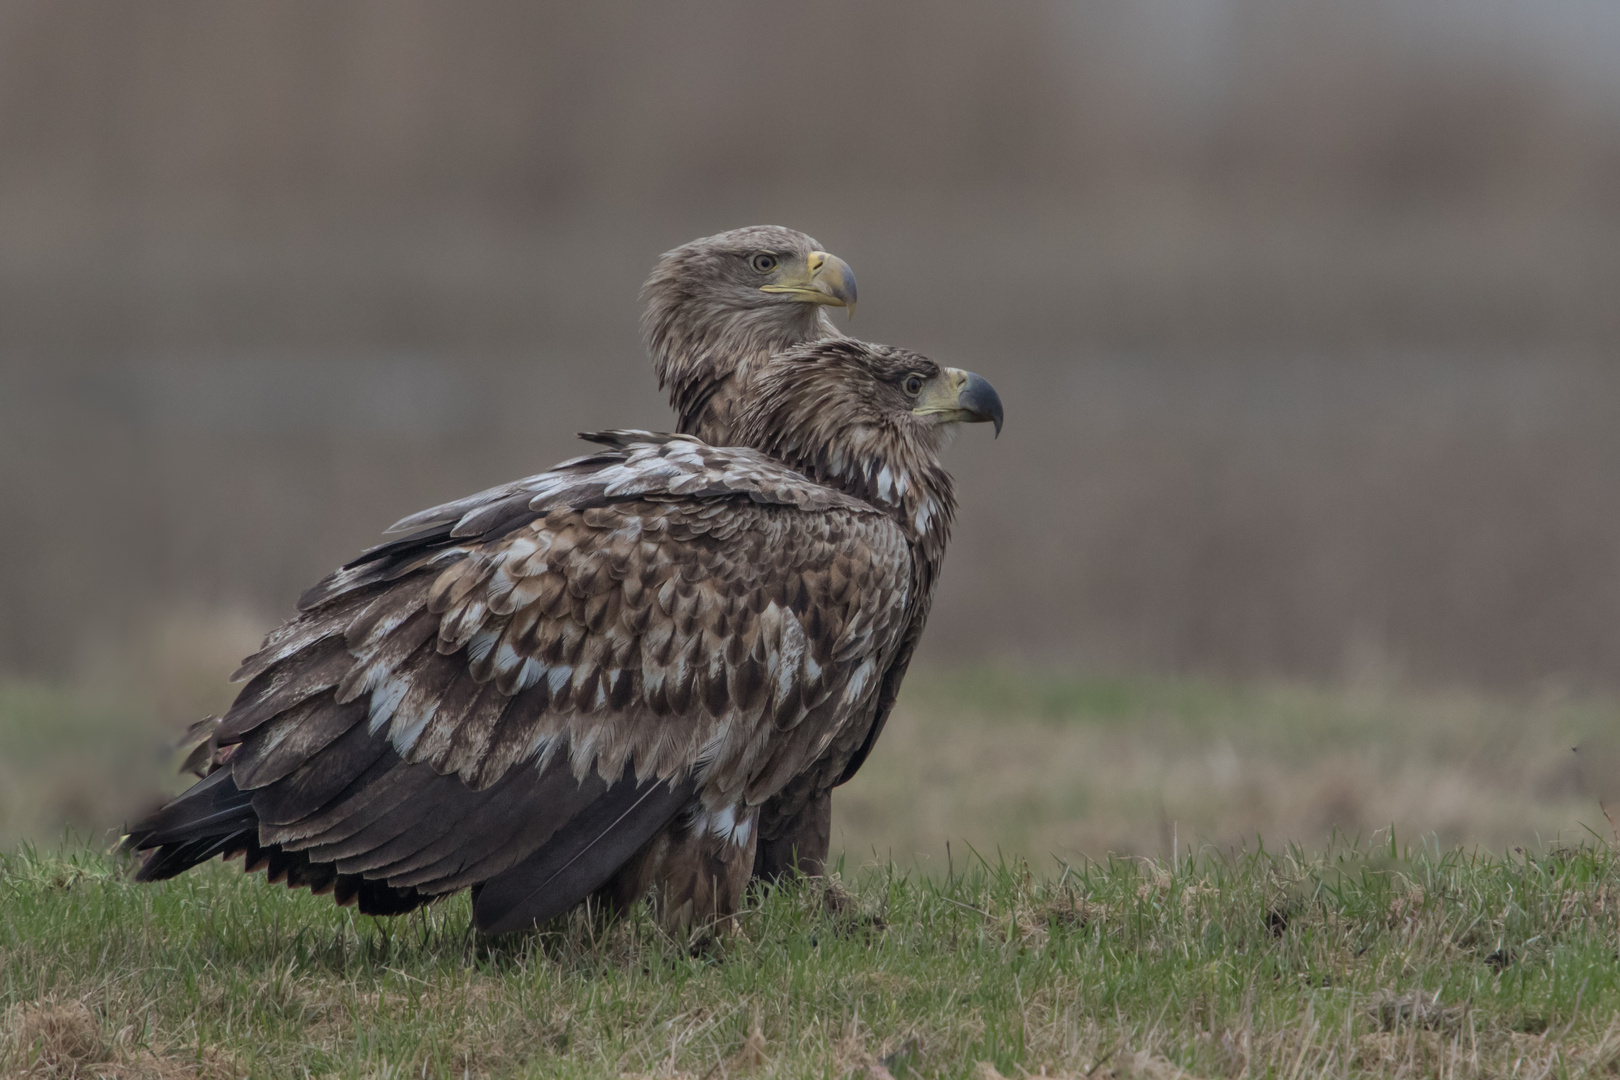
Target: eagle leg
(795, 834)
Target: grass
(70, 760)
(1238, 935)
(1356, 962)
(1037, 764)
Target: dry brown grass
(66, 1040)
(1024, 763)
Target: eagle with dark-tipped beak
(592, 681)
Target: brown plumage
(592, 680)
(717, 310)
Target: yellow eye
(914, 384)
(763, 263)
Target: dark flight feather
(213, 807)
(581, 857)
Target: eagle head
(760, 268)
(868, 419)
(719, 307)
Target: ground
(1208, 945)
(1356, 962)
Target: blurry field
(67, 763)
(1303, 314)
(1000, 760)
(1044, 766)
(82, 759)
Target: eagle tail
(212, 818)
(532, 846)
(215, 817)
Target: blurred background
(1304, 313)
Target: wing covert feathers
(667, 603)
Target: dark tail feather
(602, 826)
(172, 859)
(214, 817)
(300, 872)
(580, 858)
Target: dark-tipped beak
(831, 275)
(824, 279)
(979, 401)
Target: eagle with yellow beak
(717, 310)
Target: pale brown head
(719, 307)
(869, 420)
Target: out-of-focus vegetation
(1055, 768)
(82, 759)
(1303, 313)
(68, 764)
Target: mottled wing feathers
(661, 604)
(634, 463)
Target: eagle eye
(914, 384)
(763, 263)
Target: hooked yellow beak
(822, 278)
(958, 396)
